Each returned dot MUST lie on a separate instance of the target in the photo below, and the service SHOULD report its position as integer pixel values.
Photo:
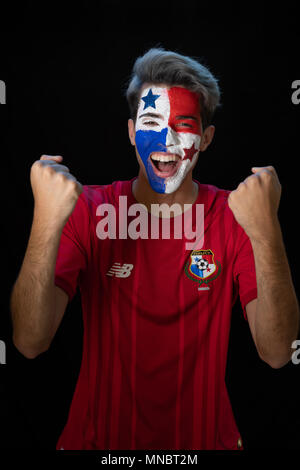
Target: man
(156, 315)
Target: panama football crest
(202, 268)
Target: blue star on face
(150, 100)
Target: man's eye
(183, 124)
(150, 123)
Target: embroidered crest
(202, 268)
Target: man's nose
(172, 137)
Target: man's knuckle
(61, 176)
(266, 175)
(72, 184)
(254, 180)
(35, 165)
(249, 179)
(49, 169)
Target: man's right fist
(55, 190)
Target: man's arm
(274, 316)
(37, 305)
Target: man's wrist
(269, 237)
(46, 223)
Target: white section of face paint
(162, 106)
(173, 183)
(177, 141)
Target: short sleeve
(244, 271)
(72, 253)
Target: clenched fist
(255, 202)
(55, 190)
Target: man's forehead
(159, 98)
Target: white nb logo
(119, 270)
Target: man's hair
(158, 66)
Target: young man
(156, 314)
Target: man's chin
(166, 188)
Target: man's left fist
(255, 202)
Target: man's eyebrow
(187, 117)
(153, 115)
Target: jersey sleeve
(72, 253)
(244, 271)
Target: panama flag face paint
(168, 135)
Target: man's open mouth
(165, 164)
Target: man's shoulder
(215, 200)
(212, 192)
(216, 206)
(95, 194)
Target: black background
(66, 69)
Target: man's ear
(207, 137)
(131, 131)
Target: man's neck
(187, 193)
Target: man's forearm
(33, 299)
(277, 314)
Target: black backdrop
(65, 73)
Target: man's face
(168, 132)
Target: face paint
(168, 129)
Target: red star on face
(189, 153)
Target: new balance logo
(119, 270)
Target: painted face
(168, 135)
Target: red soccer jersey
(156, 328)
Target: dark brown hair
(158, 66)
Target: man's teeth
(165, 158)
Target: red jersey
(156, 328)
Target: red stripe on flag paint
(184, 102)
